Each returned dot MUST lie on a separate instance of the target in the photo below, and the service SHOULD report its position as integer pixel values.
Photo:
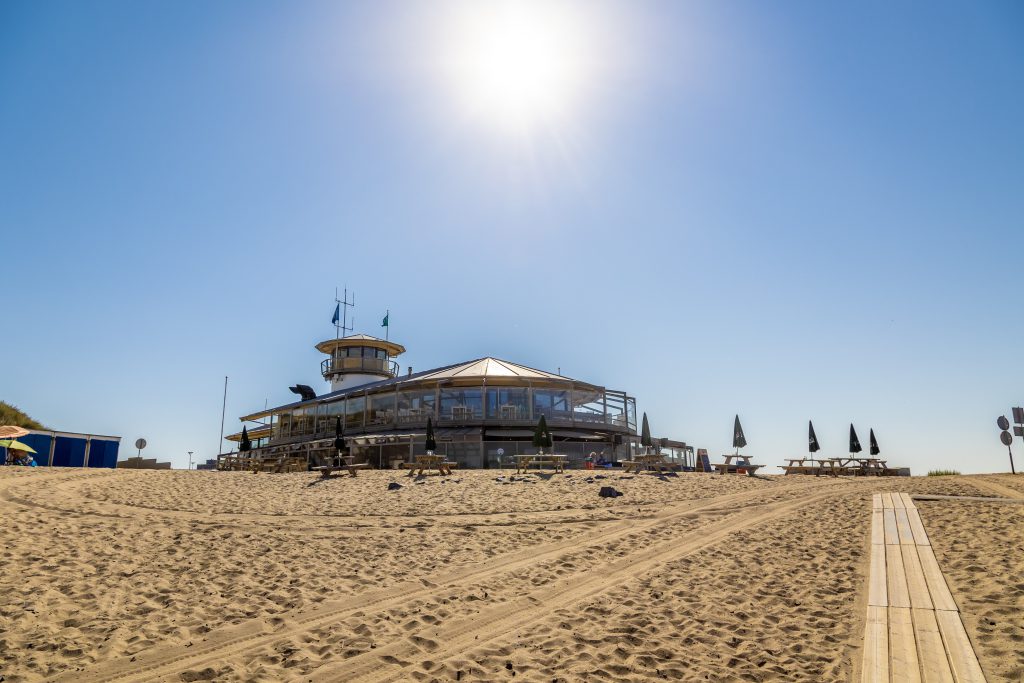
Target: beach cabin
(69, 449)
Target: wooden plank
(899, 594)
(931, 652)
(878, 596)
(908, 501)
(877, 533)
(903, 647)
(886, 501)
(897, 501)
(964, 661)
(876, 501)
(892, 535)
(903, 527)
(917, 526)
(942, 599)
(875, 667)
(917, 585)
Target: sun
(517, 64)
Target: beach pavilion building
(483, 411)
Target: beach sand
(180, 576)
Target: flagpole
(223, 410)
(387, 324)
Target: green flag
(385, 322)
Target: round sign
(1005, 438)
(140, 443)
(501, 451)
(1003, 423)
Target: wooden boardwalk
(913, 630)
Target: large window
(354, 409)
(588, 406)
(414, 407)
(382, 409)
(616, 403)
(462, 403)
(508, 403)
(553, 404)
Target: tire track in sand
(994, 487)
(250, 635)
(385, 663)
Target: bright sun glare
(517, 64)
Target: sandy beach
(181, 576)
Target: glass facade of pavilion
(479, 419)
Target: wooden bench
(800, 469)
(326, 470)
(631, 466)
(524, 462)
(726, 468)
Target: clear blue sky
(789, 211)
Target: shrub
(942, 473)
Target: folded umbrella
(854, 441)
(738, 440)
(812, 438)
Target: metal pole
(223, 410)
(1010, 451)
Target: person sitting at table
(601, 462)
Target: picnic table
(870, 466)
(650, 462)
(798, 466)
(343, 464)
(555, 461)
(734, 463)
(422, 463)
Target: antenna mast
(344, 303)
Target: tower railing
(332, 366)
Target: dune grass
(10, 415)
(942, 473)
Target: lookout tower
(358, 359)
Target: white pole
(223, 410)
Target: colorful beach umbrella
(13, 445)
(738, 440)
(812, 438)
(874, 444)
(854, 441)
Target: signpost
(140, 444)
(1006, 437)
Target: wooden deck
(913, 630)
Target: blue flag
(337, 315)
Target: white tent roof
(490, 367)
